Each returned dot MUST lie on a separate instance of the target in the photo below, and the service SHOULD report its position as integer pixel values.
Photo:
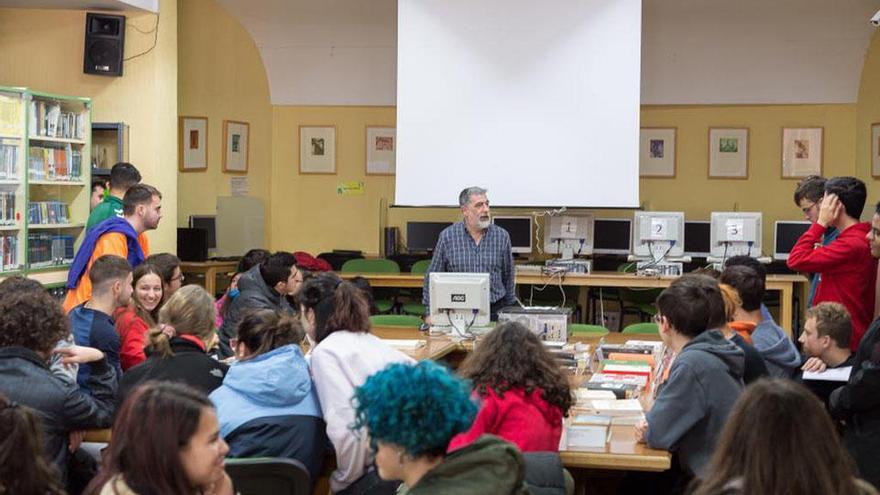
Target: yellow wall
(221, 76)
(43, 50)
(868, 112)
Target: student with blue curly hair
(411, 412)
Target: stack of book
(48, 213)
(46, 163)
(49, 249)
(47, 119)
(8, 159)
(7, 208)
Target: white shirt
(340, 363)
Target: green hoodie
(109, 208)
(489, 465)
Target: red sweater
(132, 332)
(525, 420)
(847, 272)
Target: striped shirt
(456, 251)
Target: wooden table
(622, 451)
(210, 269)
(784, 284)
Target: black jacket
(253, 294)
(295, 437)
(59, 404)
(189, 365)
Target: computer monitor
(569, 235)
(459, 301)
(658, 234)
(612, 235)
(520, 230)
(736, 233)
(207, 223)
(786, 235)
(422, 236)
(697, 238)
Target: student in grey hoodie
(769, 339)
(705, 379)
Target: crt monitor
(459, 301)
(520, 230)
(736, 233)
(612, 235)
(207, 223)
(697, 238)
(573, 234)
(422, 236)
(786, 235)
(658, 234)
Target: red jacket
(527, 421)
(847, 272)
(132, 332)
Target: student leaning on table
(705, 379)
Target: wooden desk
(784, 284)
(210, 269)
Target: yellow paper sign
(350, 188)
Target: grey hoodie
(692, 405)
(776, 348)
(253, 294)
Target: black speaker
(192, 244)
(392, 234)
(105, 43)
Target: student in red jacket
(847, 271)
(523, 393)
(135, 320)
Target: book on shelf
(49, 120)
(7, 208)
(9, 252)
(48, 213)
(9, 158)
(54, 163)
(49, 249)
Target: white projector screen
(537, 101)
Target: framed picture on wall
(192, 144)
(875, 149)
(801, 152)
(235, 146)
(381, 150)
(317, 149)
(657, 152)
(728, 153)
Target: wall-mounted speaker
(105, 44)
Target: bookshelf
(45, 142)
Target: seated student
(826, 337)
(363, 284)
(134, 321)
(755, 367)
(778, 351)
(92, 321)
(188, 317)
(169, 267)
(759, 268)
(267, 406)
(410, 413)
(264, 286)
(24, 467)
(847, 271)
(344, 353)
(31, 323)
(705, 379)
(249, 260)
(778, 439)
(165, 440)
(523, 393)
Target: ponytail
(266, 330)
(338, 305)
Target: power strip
(663, 269)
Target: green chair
(584, 330)
(420, 267)
(396, 320)
(642, 329)
(637, 301)
(385, 300)
(415, 308)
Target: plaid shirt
(456, 251)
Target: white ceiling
(148, 5)
(344, 52)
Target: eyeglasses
(658, 318)
(807, 209)
(180, 277)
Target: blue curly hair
(418, 407)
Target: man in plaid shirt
(475, 245)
